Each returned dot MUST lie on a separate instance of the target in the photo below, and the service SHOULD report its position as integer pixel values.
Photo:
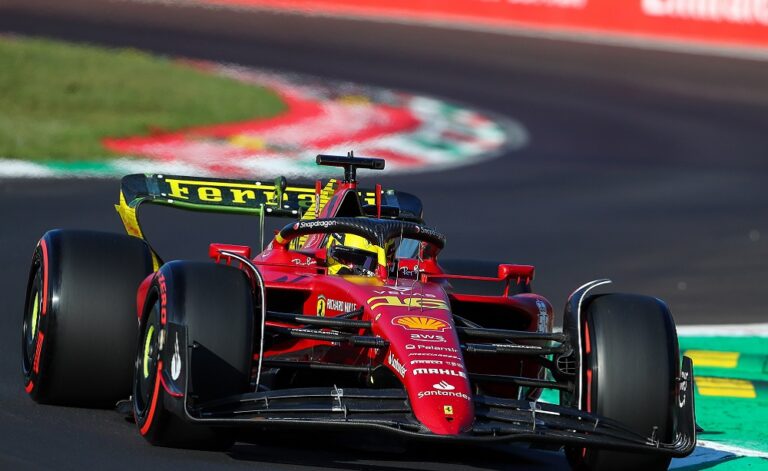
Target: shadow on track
(376, 452)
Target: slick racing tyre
(630, 349)
(195, 345)
(79, 325)
(476, 287)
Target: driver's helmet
(350, 254)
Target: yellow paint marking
(248, 142)
(713, 359)
(724, 387)
(355, 100)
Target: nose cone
(425, 354)
(440, 398)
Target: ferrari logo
(420, 323)
(321, 302)
(448, 410)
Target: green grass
(58, 100)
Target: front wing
(497, 419)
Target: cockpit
(362, 246)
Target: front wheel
(630, 352)
(195, 345)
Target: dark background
(645, 167)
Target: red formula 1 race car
(346, 320)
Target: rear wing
(251, 197)
(213, 195)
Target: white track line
(723, 330)
(21, 168)
(701, 455)
(736, 450)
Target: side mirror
(508, 271)
(215, 251)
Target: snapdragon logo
(312, 224)
(728, 11)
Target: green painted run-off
(731, 421)
(734, 421)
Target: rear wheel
(79, 324)
(212, 306)
(630, 351)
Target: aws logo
(421, 323)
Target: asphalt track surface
(646, 167)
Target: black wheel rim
(32, 319)
(145, 373)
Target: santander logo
(443, 389)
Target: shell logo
(420, 323)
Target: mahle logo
(439, 371)
(421, 323)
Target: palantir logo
(443, 386)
